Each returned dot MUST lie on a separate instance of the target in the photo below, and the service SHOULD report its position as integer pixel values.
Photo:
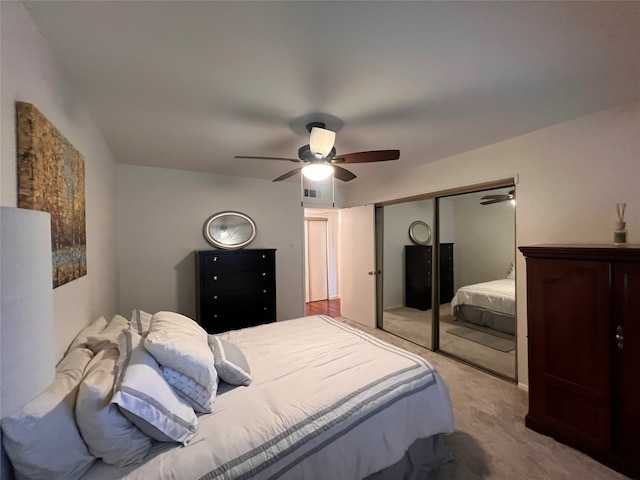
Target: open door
(358, 264)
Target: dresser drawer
(225, 282)
(215, 321)
(221, 262)
(237, 298)
(238, 312)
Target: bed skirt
(423, 457)
(501, 322)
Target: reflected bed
(488, 304)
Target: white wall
(160, 217)
(484, 239)
(397, 219)
(570, 177)
(30, 73)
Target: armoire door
(625, 338)
(569, 349)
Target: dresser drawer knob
(215, 315)
(265, 309)
(215, 259)
(264, 256)
(215, 277)
(215, 297)
(264, 291)
(264, 274)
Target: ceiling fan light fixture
(317, 171)
(321, 142)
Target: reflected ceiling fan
(318, 159)
(490, 199)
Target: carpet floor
(415, 325)
(490, 441)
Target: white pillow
(140, 321)
(42, 439)
(92, 329)
(107, 432)
(109, 335)
(146, 399)
(511, 274)
(193, 393)
(230, 362)
(180, 344)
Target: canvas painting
(51, 179)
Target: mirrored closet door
(406, 260)
(477, 312)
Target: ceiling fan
(318, 159)
(490, 199)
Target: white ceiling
(188, 85)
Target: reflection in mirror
(477, 281)
(420, 233)
(229, 230)
(406, 295)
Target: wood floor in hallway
(329, 307)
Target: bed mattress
(326, 401)
(496, 295)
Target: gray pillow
(106, 431)
(42, 438)
(94, 328)
(140, 320)
(230, 362)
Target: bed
(488, 304)
(324, 400)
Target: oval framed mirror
(420, 233)
(229, 230)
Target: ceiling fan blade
(343, 174)
(269, 158)
(364, 157)
(497, 197)
(493, 200)
(287, 175)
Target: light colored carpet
(415, 325)
(486, 339)
(491, 441)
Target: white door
(317, 260)
(358, 265)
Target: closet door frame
(435, 261)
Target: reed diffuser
(620, 233)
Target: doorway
(321, 228)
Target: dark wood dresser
(235, 288)
(583, 314)
(417, 259)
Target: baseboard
(524, 387)
(393, 306)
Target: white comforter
(326, 401)
(496, 295)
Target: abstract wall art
(51, 179)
